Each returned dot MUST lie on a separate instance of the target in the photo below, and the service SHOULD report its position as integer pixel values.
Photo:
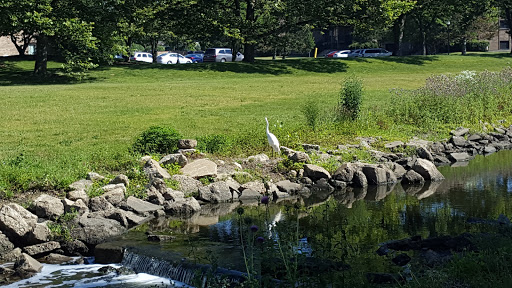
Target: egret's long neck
(267, 124)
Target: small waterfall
(182, 271)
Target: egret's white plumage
(272, 140)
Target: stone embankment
(53, 228)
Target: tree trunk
(41, 55)
(508, 18)
(154, 43)
(463, 44)
(423, 38)
(249, 44)
(129, 42)
(398, 35)
(23, 47)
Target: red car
(331, 54)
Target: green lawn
(60, 124)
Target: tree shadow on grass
(491, 55)
(11, 74)
(278, 67)
(411, 60)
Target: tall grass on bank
(462, 99)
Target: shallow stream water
(346, 225)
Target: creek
(343, 229)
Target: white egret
(272, 140)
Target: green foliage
(157, 139)
(173, 184)
(173, 168)
(243, 177)
(311, 112)
(207, 180)
(350, 98)
(96, 188)
(484, 96)
(217, 143)
(138, 182)
(60, 229)
(288, 165)
(478, 45)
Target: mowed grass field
(63, 124)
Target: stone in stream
(27, 266)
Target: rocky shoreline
(53, 228)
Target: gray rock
(397, 169)
(54, 258)
(93, 176)
(120, 179)
(359, 179)
(412, 177)
(42, 248)
(134, 219)
(338, 185)
(206, 195)
(176, 158)
(173, 195)
(154, 170)
(394, 145)
(427, 170)
(100, 204)
(311, 147)
(186, 207)
(49, 207)
(287, 151)
(114, 193)
(500, 130)
(27, 266)
(40, 234)
(141, 207)
(300, 157)
(256, 186)
(474, 137)
(315, 172)
(30, 218)
(424, 153)
(323, 186)
(346, 172)
(200, 168)
(489, 150)
(288, 187)
(187, 184)
(11, 256)
(459, 131)
(81, 185)
(93, 231)
(375, 175)
(222, 190)
(74, 247)
(12, 224)
(258, 158)
(458, 141)
(75, 206)
(154, 195)
(441, 160)
(250, 195)
(78, 194)
(233, 186)
(459, 157)
(188, 152)
(187, 143)
(5, 245)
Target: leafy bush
(311, 112)
(350, 98)
(214, 143)
(462, 99)
(477, 45)
(157, 139)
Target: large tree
(465, 13)
(506, 8)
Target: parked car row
(372, 52)
(210, 55)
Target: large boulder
(458, 141)
(141, 207)
(187, 185)
(40, 234)
(186, 207)
(412, 177)
(30, 218)
(5, 244)
(200, 168)
(346, 172)
(12, 223)
(176, 158)
(106, 253)
(222, 190)
(93, 176)
(459, 157)
(48, 207)
(375, 175)
(257, 186)
(27, 266)
(75, 206)
(42, 248)
(359, 179)
(288, 187)
(300, 156)
(427, 170)
(315, 172)
(81, 185)
(96, 230)
(258, 158)
(187, 143)
(78, 194)
(114, 193)
(154, 170)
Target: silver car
(221, 55)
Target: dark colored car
(196, 57)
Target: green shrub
(477, 45)
(214, 143)
(350, 98)
(157, 139)
(311, 113)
